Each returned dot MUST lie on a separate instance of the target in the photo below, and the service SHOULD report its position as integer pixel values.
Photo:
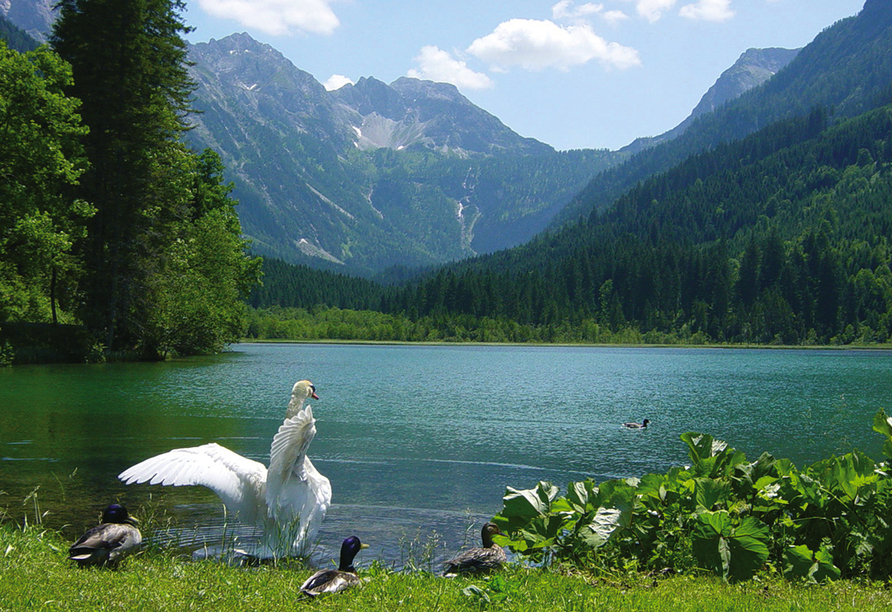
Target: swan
(481, 559)
(287, 501)
(109, 542)
(641, 425)
(336, 580)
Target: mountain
(847, 68)
(372, 175)
(780, 236)
(752, 68)
(411, 112)
(35, 17)
(16, 38)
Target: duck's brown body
(107, 543)
(486, 558)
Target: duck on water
(641, 425)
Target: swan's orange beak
(313, 395)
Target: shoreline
(821, 347)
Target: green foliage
(722, 514)
(197, 296)
(41, 159)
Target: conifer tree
(129, 65)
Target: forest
(116, 240)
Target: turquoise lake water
(419, 442)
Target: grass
(34, 574)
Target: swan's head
(488, 531)
(303, 390)
(116, 513)
(350, 547)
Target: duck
(107, 544)
(641, 425)
(287, 500)
(489, 557)
(336, 580)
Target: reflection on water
(419, 442)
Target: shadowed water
(419, 442)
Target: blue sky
(571, 74)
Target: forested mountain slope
(847, 69)
(781, 237)
(752, 68)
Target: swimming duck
(336, 580)
(486, 558)
(640, 425)
(287, 501)
(110, 541)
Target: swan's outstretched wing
(237, 481)
(297, 495)
(289, 447)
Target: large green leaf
(702, 446)
(813, 567)
(735, 553)
(580, 493)
(710, 491)
(710, 541)
(607, 521)
(520, 506)
(846, 475)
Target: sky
(575, 75)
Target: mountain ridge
(752, 68)
(371, 175)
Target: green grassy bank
(35, 575)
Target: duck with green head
(336, 580)
(109, 542)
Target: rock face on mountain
(751, 69)
(411, 112)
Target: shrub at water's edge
(722, 513)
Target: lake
(419, 442)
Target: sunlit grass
(34, 574)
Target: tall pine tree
(129, 65)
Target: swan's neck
(295, 405)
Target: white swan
(287, 501)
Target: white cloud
(336, 81)
(437, 65)
(652, 10)
(614, 17)
(708, 10)
(565, 9)
(536, 45)
(276, 17)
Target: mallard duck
(287, 501)
(640, 425)
(336, 580)
(110, 541)
(486, 558)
